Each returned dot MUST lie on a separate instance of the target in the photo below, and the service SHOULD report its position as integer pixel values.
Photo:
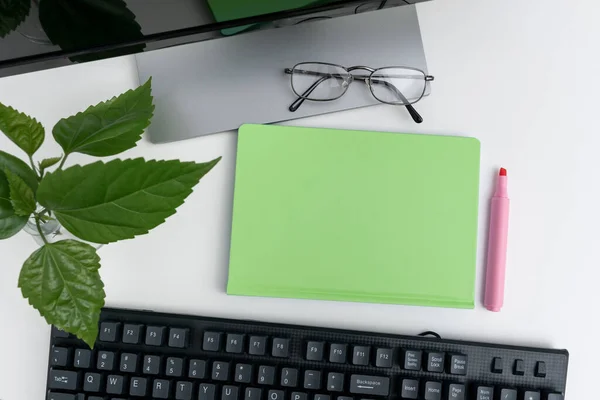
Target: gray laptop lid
(218, 85)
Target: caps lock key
(370, 385)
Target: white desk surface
(523, 77)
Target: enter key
(371, 385)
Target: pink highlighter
(497, 243)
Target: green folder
(355, 216)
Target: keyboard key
(60, 396)
(456, 391)
(183, 391)
(174, 366)
(243, 373)
(519, 367)
(59, 333)
(314, 351)
(197, 369)
(207, 392)
(435, 362)
(128, 363)
(409, 389)
(344, 398)
(62, 380)
(384, 358)
(275, 395)
(92, 382)
(540, 369)
(211, 341)
(252, 394)
(497, 365)
(338, 353)
(322, 397)
(412, 360)
(131, 333)
(160, 389)
(532, 395)
(64, 396)
(114, 384)
(335, 382)
(91, 398)
(138, 387)
(280, 347)
(266, 375)
(154, 335)
(151, 365)
(59, 356)
(508, 394)
(106, 361)
(289, 377)
(83, 358)
(360, 355)
(312, 379)
(235, 344)
(258, 345)
(220, 371)
(299, 396)
(109, 331)
(458, 364)
(178, 337)
(433, 390)
(555, 396)
(370, 385)
(230, 392)
(484, 393)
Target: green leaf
(49, 162)
(12, 14)
(21, 195)
(25, 131)
(18, 167)
(62, 282)
(10, 223)
(104, 203)
(108, 128)
(83, 24)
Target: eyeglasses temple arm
(411, 110)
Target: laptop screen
(40, 34)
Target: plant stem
(39, 228)
(34, 169)
(62, 163)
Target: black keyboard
(148, 355)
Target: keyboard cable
(430, 333)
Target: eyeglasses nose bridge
(348, 80)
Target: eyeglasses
(317, 81)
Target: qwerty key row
(164, 356)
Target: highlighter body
(497, 246)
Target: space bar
(373, 385)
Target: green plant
(99, 202)
(12, 14)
